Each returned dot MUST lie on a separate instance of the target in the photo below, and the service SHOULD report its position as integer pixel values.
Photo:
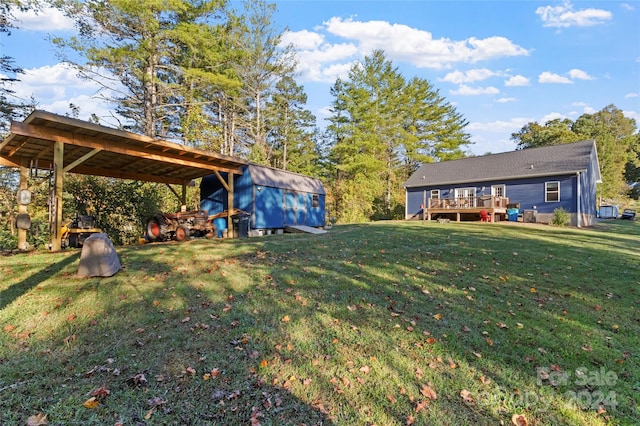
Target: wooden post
(24, 184)
(230, 206)
(58, 172)
(183, 200)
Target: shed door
(295, 209)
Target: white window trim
(437, 192)
(504, 189)
(546, 191)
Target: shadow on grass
(344, 328)
(14, 291)
(169, 351)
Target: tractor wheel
(73, 241)
(154, 228)
(182, 233)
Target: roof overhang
(93, 149)
(498, 178)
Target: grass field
(391, 323)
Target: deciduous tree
(616, 139)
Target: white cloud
(304, 40)
(551, 116)
(465, 90)
(632, 114)
(627, 6)
(577, 74)
(505, 100)
(565, 16)
(632, 95)
(517, 80)
(332, 48)
(418, 47)
(458, 77)
(549, 77)
(48, 19)
(501, 126)
(54, 87)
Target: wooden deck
(467, 208)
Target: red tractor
(180, 226)
(196, 223)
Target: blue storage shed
(274, 198)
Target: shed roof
(531, 162)
(277, 178)
(103, 151)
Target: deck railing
(461, 203)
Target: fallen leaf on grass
(286, 318)
(519, 420)
(101, 393)
(421, 405)
(489, 341)
(466, 395)
(428, 392)
(37, 420)
(437, 317)
(91, 403)
(137, 379)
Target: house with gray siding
(535, 181)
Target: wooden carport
(63, 144)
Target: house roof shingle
(544, 161)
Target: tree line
(219, 79)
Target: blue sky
(501, 63)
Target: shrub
(560, 217)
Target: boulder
(98, 257)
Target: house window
(552, 191)
(499, 190)
(435, 194)
(315, 200)
(465, 197)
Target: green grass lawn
(391, 323)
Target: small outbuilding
(274, 199)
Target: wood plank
(56, 135)
(304, 229)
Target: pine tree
(383, 126)
(291, 129)
(150, 56)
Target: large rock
(98, 257)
